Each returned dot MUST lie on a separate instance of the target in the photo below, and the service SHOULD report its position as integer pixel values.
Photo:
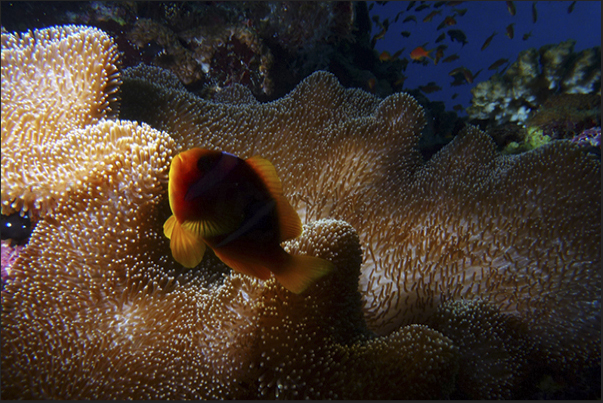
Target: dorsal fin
(289, 222)
(290, 225)
(266, 171)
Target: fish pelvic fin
(290, 225)
(187, 249)
(168, 226)
(301, 271)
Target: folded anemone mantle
(469, 222)
(99, 309)
(54, 80)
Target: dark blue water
(553, 25)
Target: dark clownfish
(237, 208)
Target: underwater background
(396, 27)
(527, 74)
(535, 24)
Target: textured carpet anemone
(38, 115)
(452, 276)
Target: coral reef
(217, 54)
(168, 334)
(561, 116)
(535, 76)
(101, 252)
(565, 115)
(534, 138)
(507, 133)
(591, 137)
(10, 253)
(267, 46)
(472, 266)
(218, 45)
(441, 125)
(296, 26)
(494, 347)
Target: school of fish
(448, 14)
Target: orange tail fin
(302, 271)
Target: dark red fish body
(430, 87)
(235, 207)
(431, 15)
(465, 72)
(420, 52)
(230, 187)
(439, 53)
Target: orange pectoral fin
(168, 226)
(187, 249)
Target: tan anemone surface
(519, 232)
(96, 308)
(132, 325)
(54, 80)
